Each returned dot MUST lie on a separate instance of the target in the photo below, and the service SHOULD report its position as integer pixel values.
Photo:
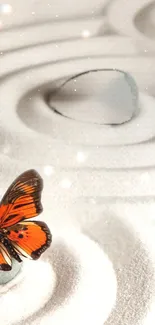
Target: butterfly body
(2, 234)
(18, 235)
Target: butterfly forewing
(22, 200)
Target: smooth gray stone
(6, 276)
(106, 96)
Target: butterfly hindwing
(22, 199)
(5, 259)
(30, 238)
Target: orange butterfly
(17, 235)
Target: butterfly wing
(30, 238)
(5, 259)
(22, 199)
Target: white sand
(84, 283)
(27, 292)
(76, 284)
